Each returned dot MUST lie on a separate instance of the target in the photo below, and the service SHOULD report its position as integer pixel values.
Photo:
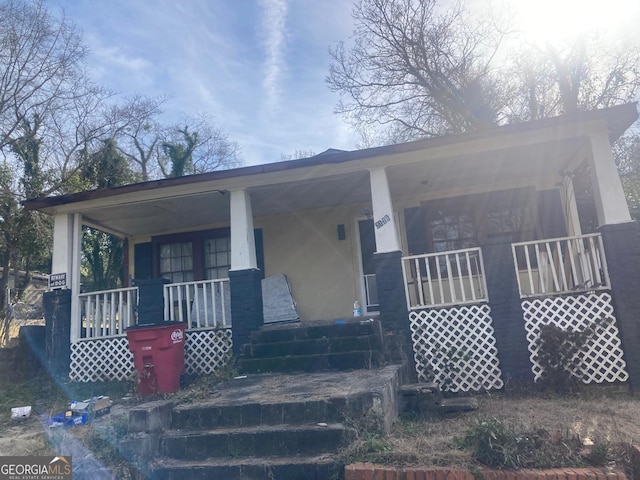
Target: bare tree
(296, 154)
(584, 73)
(41, 70)
(142, 135)
(205, 148)
(417, 69)
(41, 59)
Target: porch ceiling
(408, 174)
(489, 170)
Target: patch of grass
(500, 444)
(39, 391)
(45, 395)
(376, 449)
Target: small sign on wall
(58, 280)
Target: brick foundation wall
(622, 248)
(506, 311)
(370, 471)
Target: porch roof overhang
(437, 166)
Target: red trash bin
(158, 356)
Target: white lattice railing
(107, 313)
(561, 265)
(441, 279)
(201, 304)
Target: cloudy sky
(258, 67)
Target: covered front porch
(468, 242)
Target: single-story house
(470, 242)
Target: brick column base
(392, 299)
(391, 296)
(246, 305)
(57, 326)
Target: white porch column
(611, 204)
(243, 243)
(67, 246)
(385, 226)
(571, 208)
(62, 254)
(75, 276)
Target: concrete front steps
(269, 426)
(339, 345)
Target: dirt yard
(34, 436)
(599, 414)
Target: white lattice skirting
(455, 348)
(101, 360)
(601, 358)
(110, 359)
(206, 350)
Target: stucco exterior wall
(322, 270)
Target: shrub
(559, 355)
(496, 444)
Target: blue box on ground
(65, 420)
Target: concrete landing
(278, 387)
(272, 395)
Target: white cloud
(114, 57)
(274, 31)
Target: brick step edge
(370, 471)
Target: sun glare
(542, 21)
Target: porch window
(217, 257)
(500, 222)
(510, 212)
(193, 256)
(453, 232)
(468, 221)
(176, 261)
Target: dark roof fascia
(618, 119)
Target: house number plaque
(382, 222)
